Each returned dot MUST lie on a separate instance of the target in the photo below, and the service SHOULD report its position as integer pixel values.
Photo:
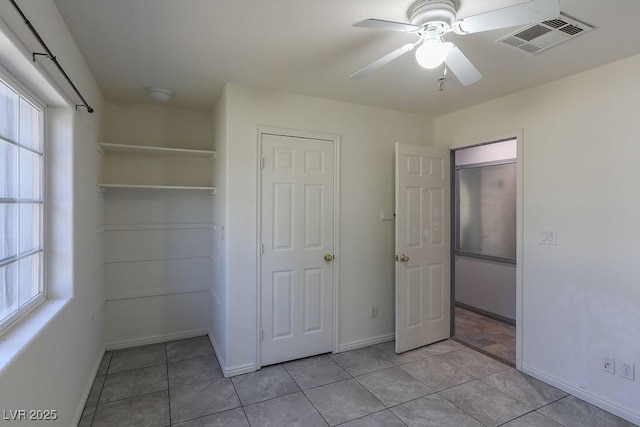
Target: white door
(297, 247)
(422, 245)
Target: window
(21, 201)
(486, 214)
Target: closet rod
(51, 56)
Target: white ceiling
(310, 47)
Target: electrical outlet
(627, 371)
(374, 312)
(609, 364)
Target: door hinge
(261, 248)
(261, 334)
(261, 162)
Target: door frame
(518, 135)
(335, 139)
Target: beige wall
(157, 125)
(580, 160)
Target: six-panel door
(297, 193)
(422, 243)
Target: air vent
(536, 38)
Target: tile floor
(179, 383)
(489, 336)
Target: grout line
(101, 388)
(332, 382)
(166, 364)
(518, 417)
(516, 399)
(397, 417)
(132, 397)
(465, 412)
(135, 369)
(484, 352)
(477, 379)
(244, 412)
(294, 380)
(551, 403)
(93, 417)
(377, 412)
(288, 394)
(339, 364)
(314, 407)
(100, 393)
(237, 395)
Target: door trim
(335, 140)
(518, 134)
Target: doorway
(485, 247)
(298, 238)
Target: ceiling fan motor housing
(442, 12)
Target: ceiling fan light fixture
(432, 53)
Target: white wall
(157, 243)
(580, 298)
(219, 306)
(366, 266)
(53, 368)
(479, 283)
(487, 285)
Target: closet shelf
(147, 149)
(140, 187)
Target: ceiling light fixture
(432, 53)
(159, 94)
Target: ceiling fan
(431, 19)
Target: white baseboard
(239, 370)
(155, 339)
(583, 394)
(353, 345)
(230, 371)
(87, 388)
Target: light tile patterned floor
(180, 383)
(487, 335)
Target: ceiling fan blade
(529, 12)
(379, 24)
(460, 65)
(382, 61)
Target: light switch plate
(548, 237)
(552, 237)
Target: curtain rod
(51, 56)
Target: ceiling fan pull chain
(443, 79)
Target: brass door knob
(328, 257)
(404, 258)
